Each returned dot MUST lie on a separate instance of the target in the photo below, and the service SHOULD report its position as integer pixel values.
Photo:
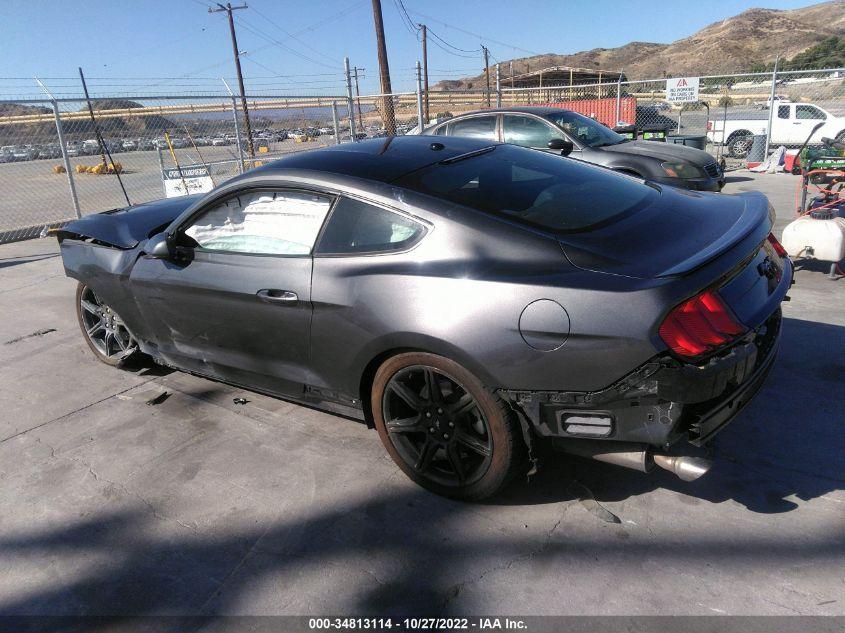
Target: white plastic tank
(818, 239)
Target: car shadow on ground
(127, 564)
(787, 443)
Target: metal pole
(771, 108)
(237, 127)
(65, 158)
(425, 69)
(161, 167)
(335, 123)
(104, 150)
(349, 103)
(420, 113)
(358, 97)
(498, 88)
(619, 99)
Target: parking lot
(120, 500)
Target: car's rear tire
(104, 331)
(443, 428)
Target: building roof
(562, 76)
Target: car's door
(530, 131)
(782, 131)
(806, 118)
(235, 301)
(480, 126)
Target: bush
(726, 101)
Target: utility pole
(487, 72)
(384, 72)
(425, 70)
(228, 9)
(355, 70)
(511, 65)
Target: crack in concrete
(70, 413)
(118, 485)
(455, 590)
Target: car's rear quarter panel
(460, 293)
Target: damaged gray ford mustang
(471, 301)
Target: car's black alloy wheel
(104, 331)
(442, 428)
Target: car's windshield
(533, 187)
(584, 129)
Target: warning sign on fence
(682, 89)
(186, 181)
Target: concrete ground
(197, 505)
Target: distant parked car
(25, 152)
(574, 135)
(219, 141)
(649, 116)
(129, 145)
(90, 146)
(50, 151)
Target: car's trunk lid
(675, 235)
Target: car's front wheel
(443, 428)
(104, 331)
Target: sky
(298, 47)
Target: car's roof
(538, 110)
(381, 159)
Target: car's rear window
(534, 187)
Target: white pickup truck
(791, 124)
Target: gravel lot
(197, 505)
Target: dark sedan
(578, 136)
(469, 300)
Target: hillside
(751, 38)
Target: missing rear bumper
(661, 402)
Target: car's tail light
(779, 249)
(700, 325)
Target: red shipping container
(602, 110)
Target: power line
(482, 37)
(256, 31)
(292, 36)
(413, 29)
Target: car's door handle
(274, 295)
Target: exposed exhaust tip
(686, 468)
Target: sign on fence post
(682, 90)
(186, 181)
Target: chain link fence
(52, 167)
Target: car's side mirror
(561, 145)
(157, 247)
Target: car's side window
(281, 222)
(483, 127)
(809, 112)
(528, 131)
(783, 112)
(359, 227)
